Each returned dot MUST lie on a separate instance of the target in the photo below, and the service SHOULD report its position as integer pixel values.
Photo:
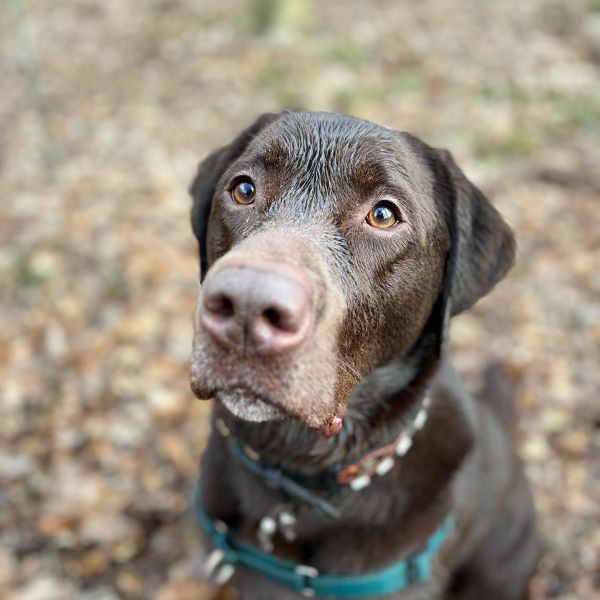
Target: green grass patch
(117, 287)
(578, 110)
(498, 93)
(273, 76)
(515, 144)
(410, 81)
(350, 54)
(292, 16)
(27, 274)
(351, 99)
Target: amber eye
(382, 216)
(243, 192)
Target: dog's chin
(249, 407)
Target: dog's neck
(422, 496)
(373, 419)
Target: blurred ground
(107, 107)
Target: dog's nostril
(274, 318)
(220, 305)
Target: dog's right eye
(243, 191)
(382, 216)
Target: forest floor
(106, 109)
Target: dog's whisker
(349, 369)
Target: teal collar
(230, 552)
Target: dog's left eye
(244, 191)
(382, 216)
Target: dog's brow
(368, 176)
(274, 156)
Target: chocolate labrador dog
(346, 459)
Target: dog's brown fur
(380, 304)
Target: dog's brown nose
(265, 310)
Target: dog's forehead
(323, 141)
(331, 147)
(326, 134)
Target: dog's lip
(248, 405)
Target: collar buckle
(307, 573)
(216, 569)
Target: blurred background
(106, 109)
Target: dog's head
(326, 242)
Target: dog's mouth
(261, 393)
(248, 406)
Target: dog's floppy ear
(485, 248)
(207, 177)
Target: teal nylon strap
(300, 578)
